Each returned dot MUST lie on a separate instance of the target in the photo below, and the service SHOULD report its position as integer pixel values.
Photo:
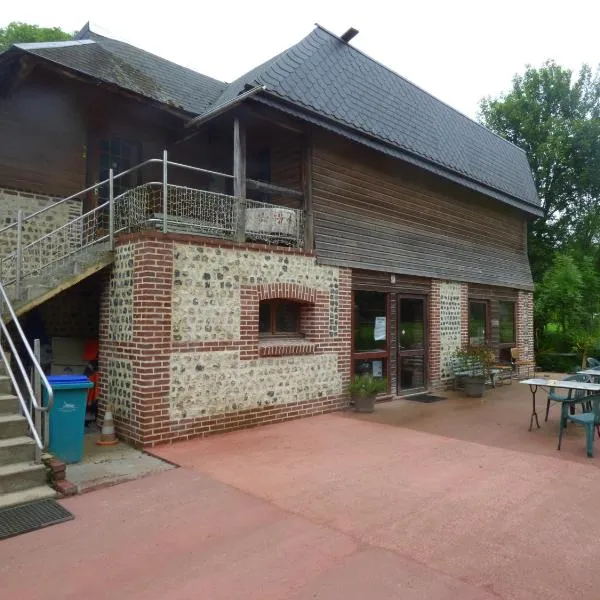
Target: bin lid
(58, 379)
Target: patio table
(590, 373)
(555, 383)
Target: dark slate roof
(132, 69)
(328, 82)
(327, 77)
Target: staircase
(21, 478)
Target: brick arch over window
(314, 316)
(288, 291)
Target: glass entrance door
(412, 344)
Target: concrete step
(21, 476)
(41, 492)
(5, 385)
(12, 426)
(16, 450)
(9, 404)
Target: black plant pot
(364, 404)
(474, 386)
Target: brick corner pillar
(464, 315)
(434, 336)
(344, 320)
(151, 347)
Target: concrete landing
(108, 465)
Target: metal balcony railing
(152, 205)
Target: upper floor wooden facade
(366, 210)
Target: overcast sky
(458, 50)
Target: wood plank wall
(374, 212)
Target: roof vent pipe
(351, 33)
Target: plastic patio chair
(590, 420)
(593, 363)
(554, 396)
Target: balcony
(193, 211)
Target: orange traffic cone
(108, 437)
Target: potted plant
(364, 389)
(474, 368)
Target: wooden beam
(275, 190)
(239, 176)
(275, 118)
(307, 155)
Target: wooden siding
(374, 212)
(42, 137)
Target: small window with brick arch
(279, 318)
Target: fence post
(111, 208)
(37, 390)
(165, 191)
(19, 253)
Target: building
(318, 217)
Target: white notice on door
(379, 332)
(377, 368)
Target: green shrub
(559, 362)
(367, 385)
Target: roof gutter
(218, 110)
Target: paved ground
(454, 500)
(108, 465)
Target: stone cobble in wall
(12, 201)
(119, 386)
(120, 308)
(207, 283)
(450, 325)
(212, 383)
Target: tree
(16, 32)
(555, 118)
(560, 294)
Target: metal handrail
(34, 431)
(34, 361)
(34, 399)
(84, 191)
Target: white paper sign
(377, 368)
(379, 333)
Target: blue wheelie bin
(67, 415)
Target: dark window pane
(370, 325)
(287, 317)
(264, 317)
(507, 322)
(477, 323)
(376, 367)
(412, 372)
(115, 146)
(411, 325)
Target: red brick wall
(434, 335)
(464, 314)
(150, 350)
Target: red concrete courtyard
(452, 500)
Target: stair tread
(8, 397)
(11, 418)
(22, 440)
(40, 492)
(20, 467)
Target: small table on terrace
(566, 385)
(590, 373)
